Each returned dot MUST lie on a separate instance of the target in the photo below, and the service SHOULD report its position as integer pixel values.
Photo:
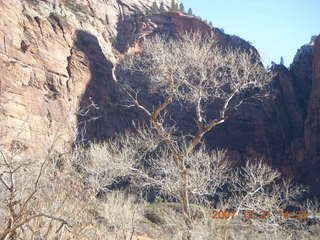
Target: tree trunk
(186, 206)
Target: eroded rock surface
(56, 57)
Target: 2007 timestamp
(264, 214)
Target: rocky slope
(57, 57)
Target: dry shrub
(41, 201)
(57, 198)
(122, 214)
(255, 187)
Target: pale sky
(275, 27)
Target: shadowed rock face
(102, 114)
(285, 129)
(57, 57)
(312, 124)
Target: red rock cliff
(55, 57)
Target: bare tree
(142, 157)
(19, 188)
(192, 69)
(195, 70)
(260, 197)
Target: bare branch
(13, 228)
(133, 96)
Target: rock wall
(56, 57)
(312, 125)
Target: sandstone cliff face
(172, 24)
(56, 57)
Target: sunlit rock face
(56, 57)
(172, 24)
